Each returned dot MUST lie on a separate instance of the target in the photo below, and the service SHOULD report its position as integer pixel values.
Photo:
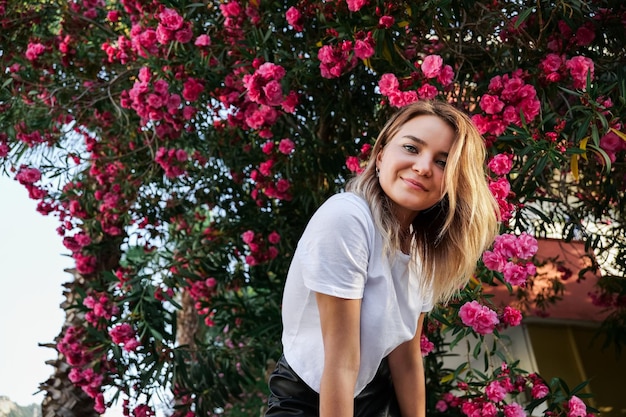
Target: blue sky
(33, 258)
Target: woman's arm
(340, 319)
(407, 372)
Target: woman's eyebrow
(423, 143)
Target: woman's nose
(422, 166)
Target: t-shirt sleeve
(334, 249)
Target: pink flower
(426, 346)
(184, 35)
(500, 188)
(247, 237)
(551, 63)
(431, 66)
(576, 407)
(353, 164)
(192, 89)
(273, 92)
(481, 318)
(294, 18)
(121, 333)
(501, 164)
(356, 5)
(511, 316)
(514, 410)
(170, 19)
(388, 84)
(274, 238)
(579, 67)
(28, 176)
(203, 40)
(446, 76)
(268, 147)
(286, 146)
(427, 92)
(495, 391)
(539, 391)
(363, 49)
(34, 51)
(493, 260)
(386, 22)
(585, 34)
(491, 104)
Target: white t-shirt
(341, 254)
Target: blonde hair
(449, 238)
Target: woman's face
(412, 163)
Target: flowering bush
(184, 145)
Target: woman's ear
(379, 158)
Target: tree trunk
(63, 398)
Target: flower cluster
(555, 67)
(336, 60)
(100, 306)
(79, 356)
(261, 249)
(201, 291)
(432, 69)
(124, 334)
(173, 161)
(613, 143)
(500, 187)
(510, 256)
(479, 317)
(357, 163)
(28, 177)
(508, 98)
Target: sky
(32, 263)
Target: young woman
(372, 261)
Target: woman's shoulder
(343, 210)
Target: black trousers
(290, 396)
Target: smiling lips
(415, 184)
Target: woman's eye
(410, 148)
(441, 163)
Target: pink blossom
(576, 407)
(247, 237)
(28, 176)
(170, 19)
(353, 164)
(446, 76)
(526, 246)
(286, 146)
(426, 346)
(192, 89)
(441, 406)
(501, 164)
(231, 9)
(184, 35)
(539, 391)
(515, 274)
(363, 49)
(34, 50)
(273, 92)
(511, 316)
(585, 34)
(274, 238)
(431, 66)
(290, 102)
(495, 391)
(163, 35)
(494, 261)
(481, 318)
(551, 63)
(386, 21)
(122, 333)
(514, 410)
(356, 5)
(113, 16)
(500, 188)
(489, 409)
(427, 92)
(388, 84)
(283, 185)
(202, 40)
(491, 104)
(579, 67)
(268, 147)
(294, 18)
